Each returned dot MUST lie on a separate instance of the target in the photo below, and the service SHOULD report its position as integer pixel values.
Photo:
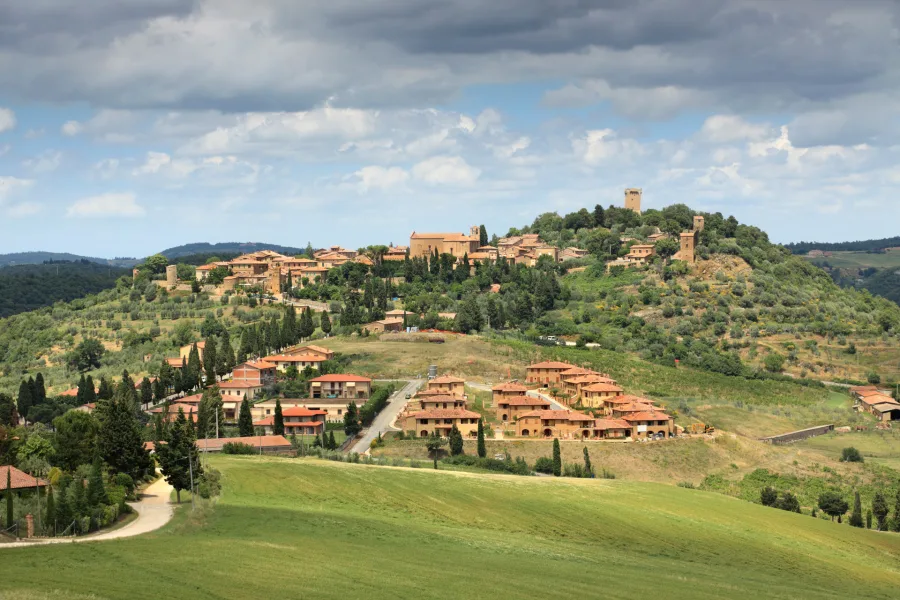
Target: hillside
(36, 258)
(29, 287)
(231, 248)
(872, 271)
(425, 534)
(857, 246)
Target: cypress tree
(332, 445)
(25, 400)
(482, 449)
(278, 422)
(456, 441)
(880, 510)
(856, 517)
(179, 456)
(63, 511)
(146, 392)
(588, 469)
(226, 354)
(9, 498)
(307, 328)
(80, 394)
(245, 420)
(209, 360)
(351, 420)
(96, 493)
(557, 458)
(90, 393)
(482, 236)
(193, 369)
(325, 323)
(120, 440)
(105, 391)
(40, 392)
(50, 515)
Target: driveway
(153, 511)
(384, 422)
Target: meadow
(313, 529)
(858, 260)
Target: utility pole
(191, 469)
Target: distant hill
(233, 248)
(859, 246)
(29, 287)
(39, 257)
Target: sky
(129, 126)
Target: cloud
(720, 129)
(378, 178)
(446, 170)
(109, 205)
(45, 162)
(107, 125)
(71, 128)
(106, 168)
(7, 119)
(600, 146)
(24, 209)
(10, 185)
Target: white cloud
(601, 146)
(71, 128)
(35, 133)
(107, 205)
(106, 168)
(723, 129)
(7, 119)
(11, 185)
(160, 162)
(379, 178)
(446, 170)
(24, 209)
(45, 162)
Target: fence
(796, 436)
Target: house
(234, 391)
(88, 408)
(398, 313)
(593, 395)
(185, 351)
(19, 481)
(189, 410)
(258, 372)
(297, 421)
(510, 408)
(311, 350)
(395, 253)
(447, 384)
(441, 421)
(574, 386)
(300, 361)
(266, 444)
(574, 372)
(439, 401)
(554, 423)
(339, 385)
(423, 245)
(886, 411)
(650, 424)
(572, 253)
(611, 429)
(334, 408)
(884, 407)
(609, 403)
(546, 372)
(385, 326)
(508, 389)
(641, 253)
(175, 363)
(619, 411)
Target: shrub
(768, 496)
(687, 485)
(851, 454)
(544, 465)
(238, 448)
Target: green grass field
(858, 260)
(312, 529)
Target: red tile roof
(558, 415)
(447, 379)
(633, 407)
(19, 480)
(509, 387)
(266, 441)
(446, 413)
(308, 347)
(579, 371)
(258, 365)
(648, 416)
(337, 377)
(611, 424)
(602, 387)
(550, 364)
(295, 358)
(440, 398)
(301, 411)
(237, 385)
(523, 401)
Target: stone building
(633, 199)
(171, 276)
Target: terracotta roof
(341, 377)
(447, 379)
(18, 480)
(876, 398)
(634, 407)
(602, 387)
(509, 387)
(174, 362)
(446, 413)
(265, 441)
(550, 364)
(295, 358)
(629, 399)
(308, 347)
(611, 424)
(238, 385)
(882, 406)
(523, 401)
(390, 321)
(558, 415)
(648, 416)
(441, 398)
(593, 378)
(259, 365)
(301, 411)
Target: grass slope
(325, 530)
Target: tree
(768, 496)
(278, 421)
(352, 425)
(434, 443)
(25, 400)
(469, 316)
(156, 264)
(869, 519)
(895, 523)
(482, 236)
(50, 515)
(332, 444)
(9, 415)
(666, 248)
(179, 456)
(146, 392)
(856, 517)
(9, 499)
(774, 362)
(96, 493)
(86, 355)
(588, 469)
(788, 502)
(851, 454)
(307, 328)
(210, 412)
(599, 216)
(209, 360)
(39, 392)
(192, 373)
(557, 458)
(119, 439)
(325, 323)
(832, 504)
(456, 441)
(880, 510)
(482, 449)
(76, 438)
(245, 420)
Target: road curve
(153, 511)
(383, 422)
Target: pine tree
(880, 510)
(146, 392)
(278, 422)
(332, 444)
(482, 449)
(325, 323)
(119, 440)
(96, 493)
(50, 514)
(456, 441)
(351, 420)
(856, 517)
(557, 458)
(9, 499)
(588, 469)
(209, 360)
(180, 456)
(245, 420)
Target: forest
(29, 287)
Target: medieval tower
(699, 223)
(171, 276)
(633, 199)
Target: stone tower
(475, 231)
(688, 244)
(171, 276)
(699, 223)
(633, 199)
(273, 283)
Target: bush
(210, 483)
(544, 465)
(238, 448)
(517, 467)
(851, 454)
(687, 485)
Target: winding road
(384, 422)
(153, 511)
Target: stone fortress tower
(699, 223)
(633, 199)
(171, 276)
